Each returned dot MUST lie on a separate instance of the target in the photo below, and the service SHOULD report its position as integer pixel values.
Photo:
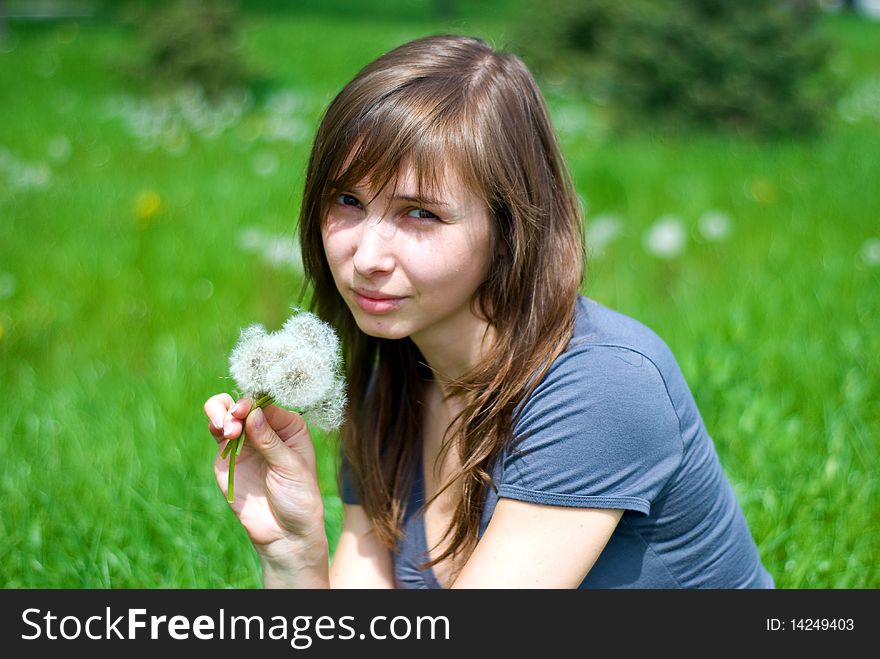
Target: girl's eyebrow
(411, 197)
(416, 199)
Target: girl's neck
(452, 354)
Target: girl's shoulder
(617, 367)
(615, 374)
(603, 335)
(603, 428)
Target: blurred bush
(194, 42)
(754, 66)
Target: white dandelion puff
(251, 359)
(328, 414)
(284, 102)
(315, 333)
(251, 239)
(31, 176)
(299, 377)
(306, 376)
(601, 231)
(665, 239)
(871, 252)
(282, 251)
(287, 129)
(7, 285)
(297, 366)
(59, 149)
(715, 225)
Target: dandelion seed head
(299, 366)
(666, 237)
(284, 102)
(329, 413)
(871, 252)
(305, 374)
(601, 231)
(59, 149)
(250, 360)
(7, 285)
(250, 239)
(315, 333)
(282, 251)
(715, 225)
(298, 380)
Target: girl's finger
(216, 407)
(241, 408)
(232, 427)
(233, 420)
(216, 432)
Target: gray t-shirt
(613, 424)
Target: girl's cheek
(331, 251)
(425, 265)
(336, 237)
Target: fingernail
(218, 422)
(227, 429)
(233, 408)
(258, 418)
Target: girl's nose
(373, 251)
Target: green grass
(114, 328)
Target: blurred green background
(144, 222)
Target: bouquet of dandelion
(297, 367)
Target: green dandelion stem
(233, 447)
(230, 483)
(262, 401)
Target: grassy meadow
(138, 235)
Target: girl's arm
(277, 498)
(527, 545)
(360, 560)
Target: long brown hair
(431, 102)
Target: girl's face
(409, 266)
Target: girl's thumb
(267, 442)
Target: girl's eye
(422, 214)
(347, 200)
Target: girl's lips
(376, 306)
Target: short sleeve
(599, 431)
(347, 491)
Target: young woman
(503, 430)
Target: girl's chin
(380, 330)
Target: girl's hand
(277, 498)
